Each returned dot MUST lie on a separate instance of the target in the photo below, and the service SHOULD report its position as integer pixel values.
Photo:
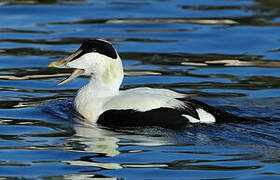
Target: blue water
(223, 52)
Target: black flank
(165, 117)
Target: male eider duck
(101, 100)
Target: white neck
(97, 88)
(103, 85)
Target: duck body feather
(91, 103)
(146, 107)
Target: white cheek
(92, 62)
(84, 62)
(77, 63)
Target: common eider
(101, 100)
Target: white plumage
(144, 99)
(203, 117)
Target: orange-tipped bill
(75, 74)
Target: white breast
(89, 106)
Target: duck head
(96, 58)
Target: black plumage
(164, 117)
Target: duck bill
(76, 73)
(62, 63)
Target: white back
(144, 99)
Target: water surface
(223, 52)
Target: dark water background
(224, 52)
